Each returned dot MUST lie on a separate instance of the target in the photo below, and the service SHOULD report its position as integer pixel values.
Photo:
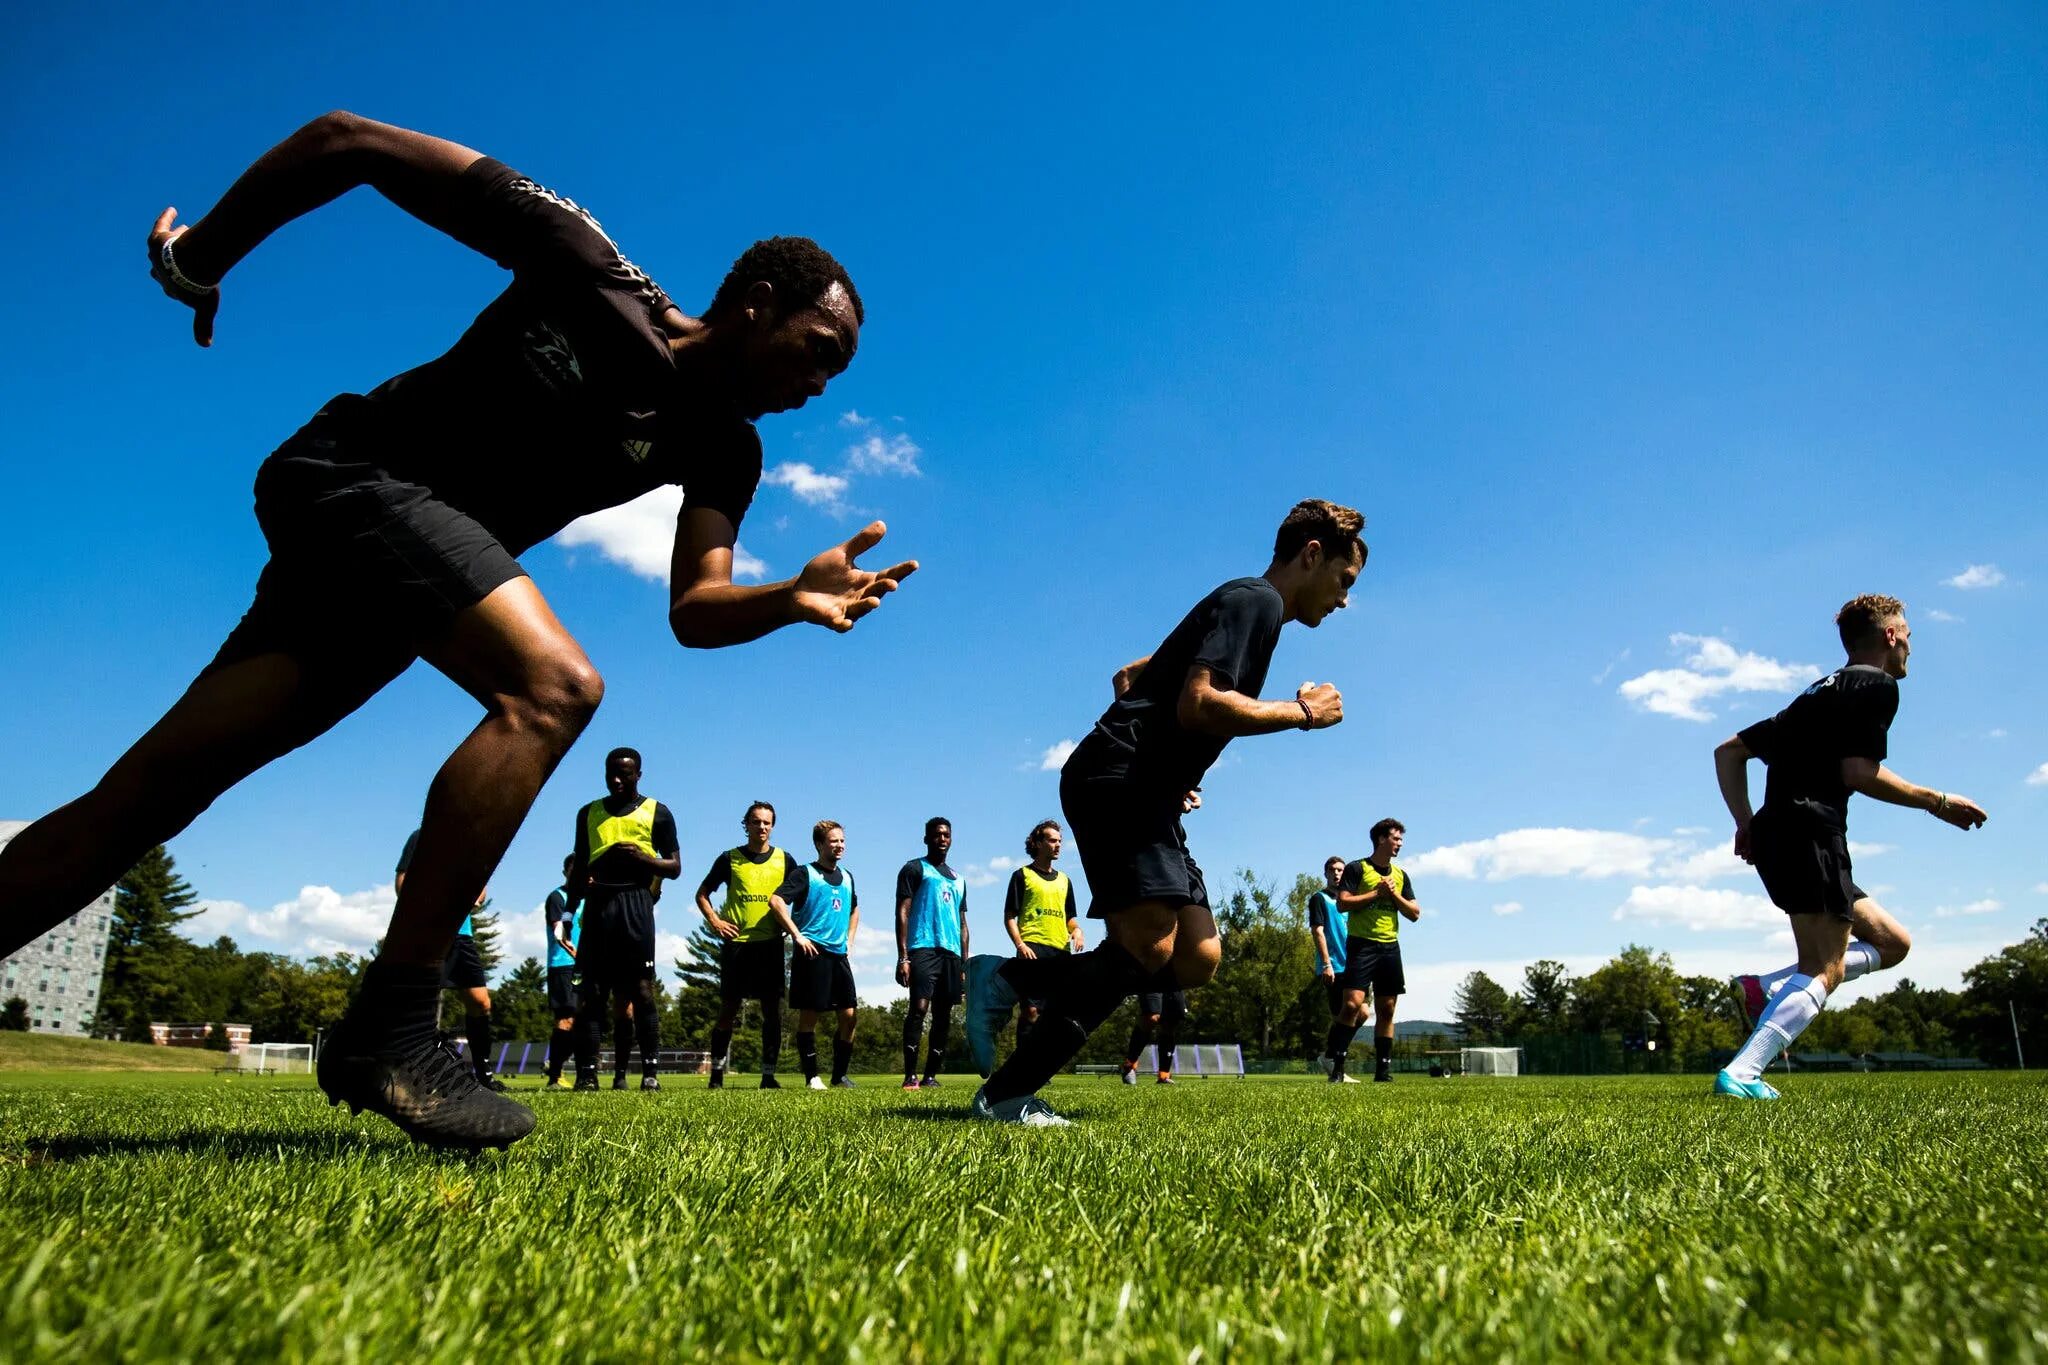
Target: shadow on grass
(965, 1114)
(245, 1145)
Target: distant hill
(1416, 1028)
(48, 1052)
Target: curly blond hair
(1862, 619)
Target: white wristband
(169, 264)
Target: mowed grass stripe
(1623, 1219)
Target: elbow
(338, 132)
(686, 622)
(1192, 714)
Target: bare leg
(230, 722)
(1872, 924)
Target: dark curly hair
(798, 267)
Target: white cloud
(1857, 850)
(2038, 777)
(877, 451)
(640, 535)
(1987, 906)
(2041, 888)
(1508, 908)
(1616, 662)
(1698, 908)
(319, 920)
(1937, 614)
(1691, 831)
(1055, 757)
(818, 490)
(983, 874)
(1547, 853)
(1713, 667)
(1976, 576)
(999, 863)
(1704, 865)
(1999, 733)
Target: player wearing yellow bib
(625, 846)
(1039, 910)
(750, 964)
(1375, 894)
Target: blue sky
(1643, 338)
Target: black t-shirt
(556, 912)
(618, 868)
(1847, 714)
(796, 883)
(561, 398)
(1233, 631)
(412, 841)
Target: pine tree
(483, 931)
(14, 1015)
(144, 948)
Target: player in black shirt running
(625, 848)
(1125, 788)
(393, 519)
(1831, 741)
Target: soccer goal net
(1490, 1061)
(277, 1059)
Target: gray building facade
(59, 974)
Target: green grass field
(197, 1217)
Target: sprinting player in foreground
(394, 519)
(1831, 741)
(821, 920)
(1039, 910)
(564, 931)
(625, 848)
(1375, 895)
(462, 971)
(1327, 930)
(931, 944)
(1160, 1015)
(1127, 785)
(750, 963)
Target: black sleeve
(1761, 739)
(1408, 886)
(1073, 911)
(721, 868)
(1867, 716)
(725, 471)
(1013, 899)
(1354, 877)
(906, 882)
(536, 233)
(1318, 914)
(665, 832)
(1244, 623)
(852, 895)
(412, 841)
(796, 883)
(558, 909)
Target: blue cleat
(990, 999)
(1727, 1087)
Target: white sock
(1860, 960)
(1798, 1005)
(1772, 980)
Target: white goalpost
(277, 1059)
(1490, 1061)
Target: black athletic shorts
(936, 975)
(562, 991)
(1374, 968)
(1170, 1006)
(1805, 868)
(1045, 953)
(750, 971)
(1130, 839)
(824, 982)
(463, 968)
(617, 946)
(365, 569)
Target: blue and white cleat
(1026, 1110)
(1727, 1087)
(990, 999)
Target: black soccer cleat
(494, 1085)
(650, 1082)
(427, 1091)
(586, 1080)
(768, 1081)
(618, 1080)
(717, 1081)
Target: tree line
(1264, 997)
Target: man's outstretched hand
(833, 591)
(203, 303)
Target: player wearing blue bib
(1327, 928)
(931, 948)
(564, 925)
(821, 918)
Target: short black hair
(568, 862)
(931, 826)
(1385, 827)
(760, 805)
(619, 753)
(800, 269)
(1335, 527)
(1336, 858)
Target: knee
(1148, 1021)
(1892, 949)
(560, 699)
(917, 1012)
